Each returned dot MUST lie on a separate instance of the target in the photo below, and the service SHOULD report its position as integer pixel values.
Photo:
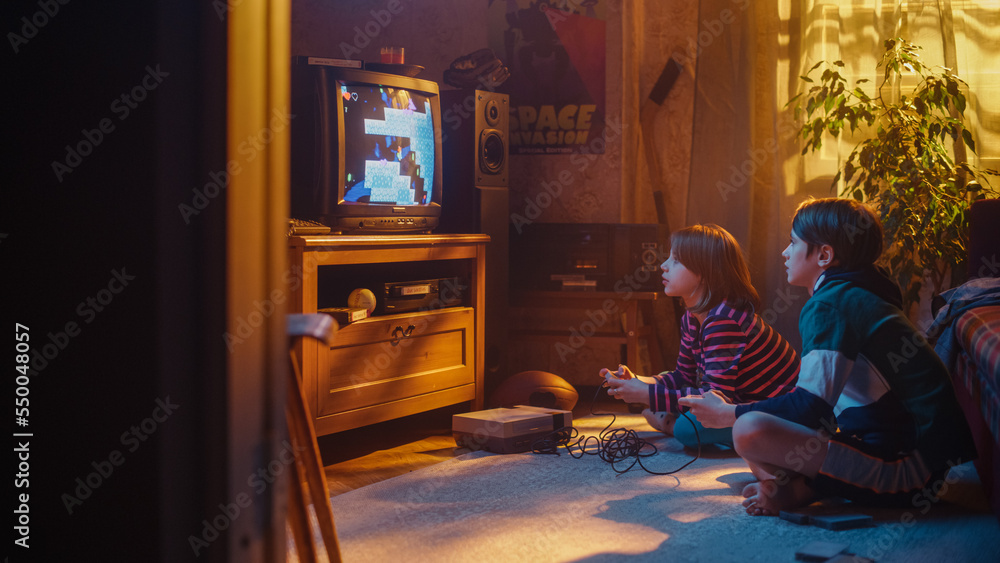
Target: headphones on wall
(479, 69)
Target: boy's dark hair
(850, 227)
(711, 252)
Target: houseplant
(912, 165)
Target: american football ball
(535, 388)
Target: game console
(507, 431)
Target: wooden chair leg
(298, 521)
(310, 486)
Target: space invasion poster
(556, 54)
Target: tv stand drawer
(391, 358)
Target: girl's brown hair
(711, 252)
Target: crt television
(366, 150)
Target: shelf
(623, 305)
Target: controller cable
(614, 447)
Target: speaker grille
(491, 112)
(492, 152)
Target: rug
(483, 507)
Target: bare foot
(768, 498)
(661, 421)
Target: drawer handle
(398, 333)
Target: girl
(724, 345)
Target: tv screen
(366, 150)
(389, 147)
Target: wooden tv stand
(391, 365)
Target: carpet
(527, 507)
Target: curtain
(746, 173)
(742, 140)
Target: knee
(684, 431)
(748, 432)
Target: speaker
(475, 198)
(475, 127)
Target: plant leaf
(967, 137)
(905, 167)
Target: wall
(433, 32)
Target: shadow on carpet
(527, 507)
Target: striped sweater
(735, 352)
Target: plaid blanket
(977, 331)
(982, 292)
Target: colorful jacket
(867, 372)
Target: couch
(967, 332)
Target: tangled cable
(614, 446)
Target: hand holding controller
(621, 373)
(622, 381)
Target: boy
(874, 417)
